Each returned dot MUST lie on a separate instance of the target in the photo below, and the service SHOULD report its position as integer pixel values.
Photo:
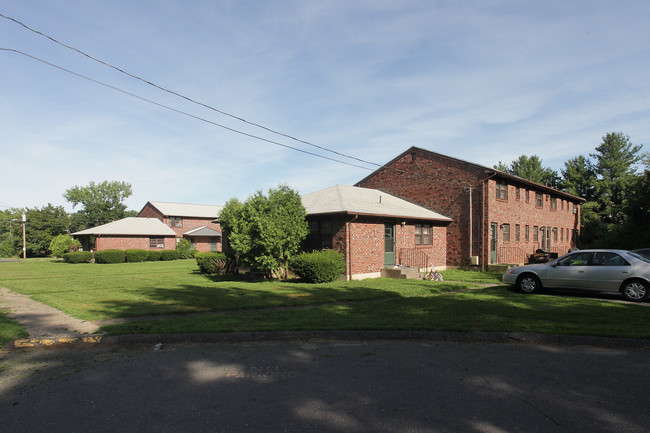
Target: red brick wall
(517, 211)
(443, 184)
(130, 242)
(364, 242)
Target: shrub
(110, 256)
(62, 244)
(212, 263)
(185, 249)
(319, 266)
(154, 255)
(134, 255)
(78, 257)
(169, 255)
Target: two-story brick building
(496, 217)
(196, 222)
(375, 230)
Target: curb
(274, 336)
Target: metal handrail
(413, 257)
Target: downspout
(470, 225)
(349, 224)
(483, 223)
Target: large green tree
(579, 178)
(615, 165)
(531, 168)
(101, 203)
(266, 230)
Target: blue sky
(484, 81)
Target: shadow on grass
(494, 309)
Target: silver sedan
(598, 270)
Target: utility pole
(24, 248)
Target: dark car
(598, 270)
(645, 252)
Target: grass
(97, 292)
(10, 330)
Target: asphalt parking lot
(326, 386)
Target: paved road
(377, 386)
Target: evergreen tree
(531, 168)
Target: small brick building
(127, 233)
(375, 230)
(159, 225)
(496, 217)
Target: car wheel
(635, 291)
(529, 283)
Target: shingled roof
(133, 226)
(365, 201)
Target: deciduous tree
(266, 230)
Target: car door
(607, 270)
(568, 272)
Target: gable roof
(202, 231)
(187, 209)
(365, 201)
(134, 226)
(487, 170)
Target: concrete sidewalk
(40, 320)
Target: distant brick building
(158, 226)
(374, 230)
(196, 222)
(496, 217)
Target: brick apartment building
(496, 217)
(196, 222)
(374, 230)
(159, 225)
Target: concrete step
(402, 273)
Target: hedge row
(316, 267)
(121, 256)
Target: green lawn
(96, 292)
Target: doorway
(389, 245)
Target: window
(423, 234)
(608, 259)
(554, 234)
(553, 203)
(527, 233)
(320, 235)
(527, 196)
(577, 259)
(506, 232)
(175, 222)
(502, 190)
(539, 199)
(156, 242)
(562, 234)
(518, 194)
(535, 234)
(517, 232)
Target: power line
(183, 96)
(180, 111)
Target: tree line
(99, 203)
(615, 182)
